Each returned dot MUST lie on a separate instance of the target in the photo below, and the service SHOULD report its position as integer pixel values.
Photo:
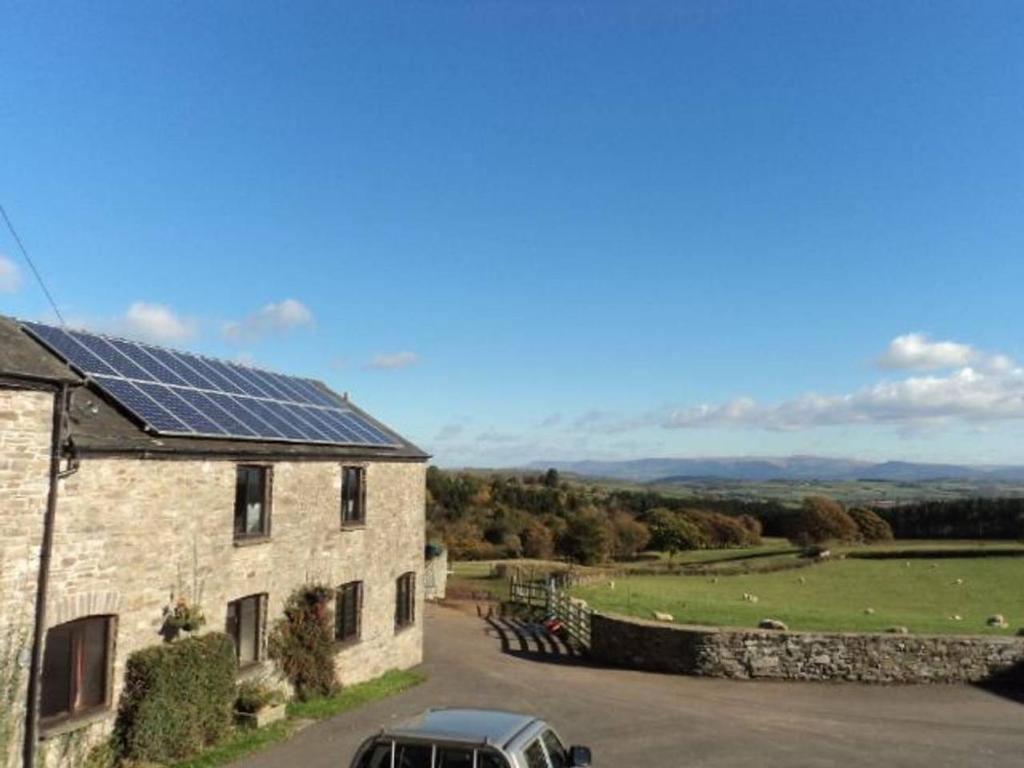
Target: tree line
(487, 516)
(541, 516)
(972, 518)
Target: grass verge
(245, 741)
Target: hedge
(177, 699)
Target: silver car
(469, 738)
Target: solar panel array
(178, 393)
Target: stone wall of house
(739, 653)
(131, 534)
(435, 576)
(26, 419)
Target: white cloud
(551, 421)
(915, 351)
(966, 395)
(276, 317)
(10, 275)
(980, 388)
(393, 361)
(155, 322)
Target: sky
(528, 230)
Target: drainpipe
(43, 581)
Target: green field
(835, 595)
(792, 492)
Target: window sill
(355, 525)
(253, 669)
(74, 723)
(344, 645)
(251, 541)
(405, 627)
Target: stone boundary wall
(769, 654)
(435, 576)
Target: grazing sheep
(959, 581)
(663, 616)
(997, 620)
(956, 617)
(611, 585)
(869, 611)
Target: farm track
(643, 719)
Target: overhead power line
(32, 266)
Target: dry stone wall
(746, 654)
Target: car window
(490, 760)
(556, 752)
(377, 756)
(412, 756)
(535, 757)
(454, 758)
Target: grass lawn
(771, 553)
(245, 741)
(835, 595)
(472, 578)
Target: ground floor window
(405, 600)
(348, 611)
(76, 668)
(245, 626)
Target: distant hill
(781, 468)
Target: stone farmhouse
(107, 518)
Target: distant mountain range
(783, 468)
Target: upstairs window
(353, 495)
(348, 611)
(245, 626)
(76, 668)
(405, 600)
(252, 502)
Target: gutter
(61, 396)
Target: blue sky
(523, 230)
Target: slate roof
(98, 425)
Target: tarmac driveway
(642, 719)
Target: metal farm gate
(573, 614)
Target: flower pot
(263, 717)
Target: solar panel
(179, 393)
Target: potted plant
(184, 616)
(258, 705)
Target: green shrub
(673, 532)
(302, 643)
(587, 537)
(254, 695)
(177, 699)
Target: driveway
(634, 719)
